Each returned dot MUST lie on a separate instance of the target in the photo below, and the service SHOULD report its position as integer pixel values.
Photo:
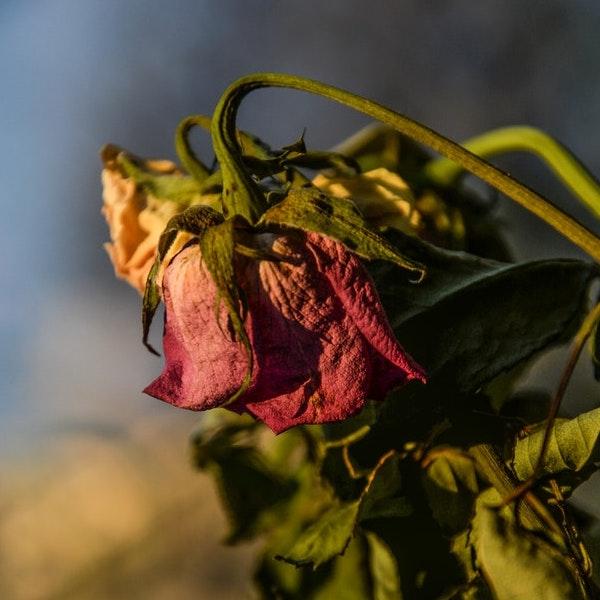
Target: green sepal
(181, 189)
(194, 220)
(309, 209)
(345, 166)
(218, 248)
(317, 161)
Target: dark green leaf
(344, 577)
(471, 318)
(467, 322)
(349, 579)
(334, 471)
(327, 537)
(426, 567)
(277, 580)
(250, 491)
(382, 499)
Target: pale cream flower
(385, 200)
(383, 197)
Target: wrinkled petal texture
(203, 365)
(320, 339)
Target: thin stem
(190, 161)
(559, 158)
(533, 513)
(241, 194)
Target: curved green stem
(191, 163)
(242, 195)
(526, 139)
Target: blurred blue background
(76, 74)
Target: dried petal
(136, 221)
(382, 196)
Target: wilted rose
(320, 339)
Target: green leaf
(331, 532)
(422, 554)
(277, 580)
(472, 319)
(344, 577)
(309, 209)
(517, 564)
(574, 445)
(451, 484)
(327, 537)
(384, 570)
(349, 577)
(467, 322)
(474, 586)
(194, 220)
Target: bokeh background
(97, 498)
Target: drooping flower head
(320, 341)
(313, 343)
